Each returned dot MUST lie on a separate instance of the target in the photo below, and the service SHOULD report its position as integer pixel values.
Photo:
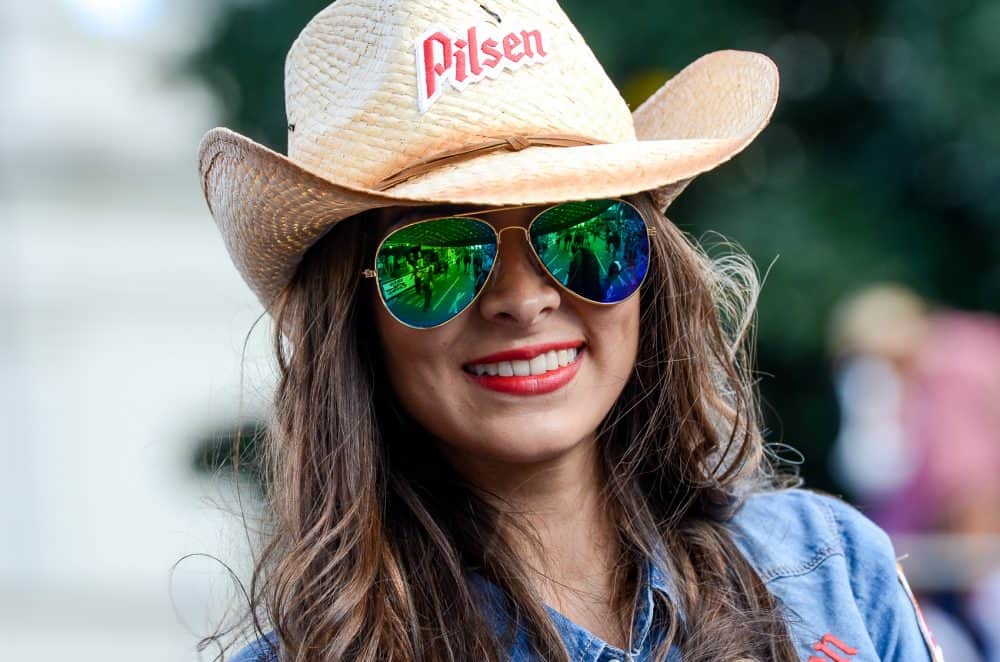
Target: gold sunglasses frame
(373, 272)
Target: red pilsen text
(444, 58)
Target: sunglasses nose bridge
(527, 238)
(512, 227)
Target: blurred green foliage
(882, 162)
(236, 447)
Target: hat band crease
(513, 143)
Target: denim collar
(582, 645)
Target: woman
(509, 462)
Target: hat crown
(372, 86)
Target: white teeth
(551, 360)
(539, 365)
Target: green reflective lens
(432, 270)
(598, 249)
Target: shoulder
(791, 531)
(835, 573)
(265, 649)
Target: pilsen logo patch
(445, 58)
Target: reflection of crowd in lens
(428, 264)
(584, 269)
(598, 254)
(596, 258)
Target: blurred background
(130, 355)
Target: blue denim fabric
(831, 568)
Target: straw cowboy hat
(500, 102)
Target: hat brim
(270, 210)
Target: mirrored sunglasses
(429, 271)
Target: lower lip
(548, 382)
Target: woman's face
(521, 314)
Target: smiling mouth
(539, 365)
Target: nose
(519, 292)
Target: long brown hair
(372, 534)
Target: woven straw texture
(351, 95)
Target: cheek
(418, 363)
(402, 348)
(614, 335)
(628, 322)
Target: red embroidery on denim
(825, 645)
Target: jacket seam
(835, 521)
(850, 583)
(831, 548)
(817, 559)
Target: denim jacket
(833, 571)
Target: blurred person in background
(919, 442)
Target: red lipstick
(547, 382)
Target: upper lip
(525, 353)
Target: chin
(523, 443)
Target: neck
(561, 500)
